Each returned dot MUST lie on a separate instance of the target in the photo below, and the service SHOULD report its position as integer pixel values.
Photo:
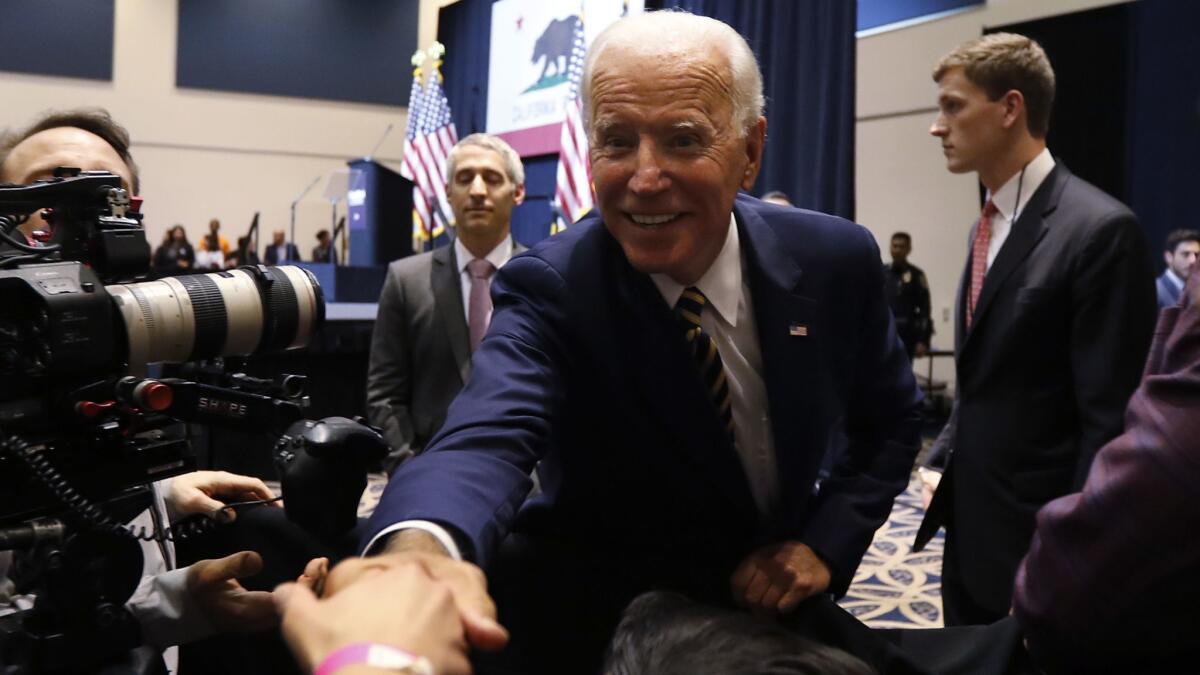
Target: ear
(1014, 108)
(519, 194)
(1167, 258)
(756, 138)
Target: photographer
(171, 605)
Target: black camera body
(55, 326)
(84, 431)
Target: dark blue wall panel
(69, 38)
(876, 13)
(346, 51)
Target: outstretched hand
(399, 603)
(466, 583)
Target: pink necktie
(479, 309)
(979, 256)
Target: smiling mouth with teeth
(652, 220)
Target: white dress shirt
(498, 256)
(729, 321)
(1006, 199)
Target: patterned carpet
(894, 587)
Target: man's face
(1183, 260)
(36, 158)
(900, 249)
(214, 226)
(970, 127)
(277, 237)
(667, 161)
(481, 194)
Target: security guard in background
(908, 294)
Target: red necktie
(979, 258)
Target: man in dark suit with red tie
(1053, 323)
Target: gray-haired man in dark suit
(435, 307)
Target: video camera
(84, 431)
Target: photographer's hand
(213, 584)
(202, 492)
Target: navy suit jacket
(585, 369)
(1168, 292)
(270, 256)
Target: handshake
(420, 610)
(417, 602)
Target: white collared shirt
(1006, 197)
(729, 320)
(498, 256)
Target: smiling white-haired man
(675, 362)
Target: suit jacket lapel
(669, 386)
(448, 304)
(791, 370)
(1026, 233)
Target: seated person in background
(676, 362)
(324, 251)
(435, 306)
(667, 634)
(280, 251)
(1183, 247)
(176, 255)
(244, 255)
(214, 240)
(214, 247)
(172, 605)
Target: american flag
(428, 139)
(573, 194)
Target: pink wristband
(377, 656)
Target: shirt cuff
(437, 531)
(166, 611)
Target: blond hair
(1001, 62)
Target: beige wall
(207, 154)
(901, 182)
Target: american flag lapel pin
(798, 330)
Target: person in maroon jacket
(1110, 581)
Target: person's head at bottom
(663, 633)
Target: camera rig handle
(229, 408)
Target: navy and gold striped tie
(704, 353)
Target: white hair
(669, 34)
(512, 161)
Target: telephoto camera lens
(231, 313)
